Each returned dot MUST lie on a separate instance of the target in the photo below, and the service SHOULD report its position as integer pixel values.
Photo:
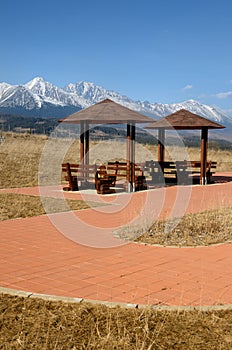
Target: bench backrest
(167, 167)
(81, 169)
(120, 169)
(196, 165)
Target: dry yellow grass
(20, 206)
(28, 323)
(206, 228)
(222, 157)
(19, 159)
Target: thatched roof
(183, 120)
(107, 112)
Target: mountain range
(40, 98)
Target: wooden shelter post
(82, 141)
(204, 146)
(86, 143)
(128, 158)
(161, 140)
(133, 156)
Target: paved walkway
(77, 254)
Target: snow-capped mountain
(38, 98)
(41, 98)
(52, 94)
(93, 94)
(12, 96)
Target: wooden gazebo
(108, 112)
(185, 120)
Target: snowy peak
(53, 94)
(35, 83)
(203, 110)
(3, 87)
(83, 88)
(44, 89)
(41, 87)
(92, 93)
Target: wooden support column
(133, 156)
(84, 145)
(87, 143)
(204, 146)
(161, 139)
(82, 142)
(128, 158)
(86, 153)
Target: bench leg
(73, 185)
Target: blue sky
(157, 50)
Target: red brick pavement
(75, 254)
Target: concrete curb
(158, 307)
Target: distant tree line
(35, 125)
(17, 123)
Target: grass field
(33, 323)
(199, 229)
(20, 206)
(29, 323)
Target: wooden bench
(193, 169)
(179, 171)
(104, 181)
(107, 176)
(102, 177)
(211, 170)
(78, 174)
(120, 170)
(160, 171)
